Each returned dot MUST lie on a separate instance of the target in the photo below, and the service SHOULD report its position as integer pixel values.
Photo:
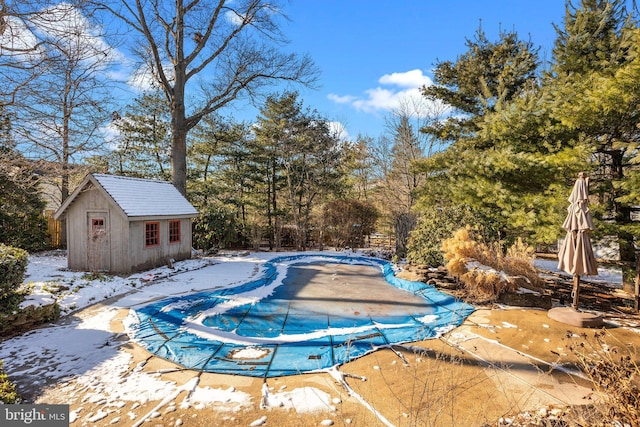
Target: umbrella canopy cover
(576, 253)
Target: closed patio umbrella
(576, 254)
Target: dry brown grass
(490, 275)
(615, 374)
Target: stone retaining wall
(27, 318)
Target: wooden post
(636, 297)
(576, 291)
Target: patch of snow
(260, 421)
(474, 265)
(37, 300)
(522, 291)
(62, 351)
(250, 353)
(98, 416)
(48, 279)
(229, 396)
(610, 276)
(429, 318)
(305, 399)
(111, 379)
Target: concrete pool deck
(463, 379)
(497, 363)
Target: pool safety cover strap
(207, 331)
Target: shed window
(97, 226)
(151, 234)
(174, 231)
(98, 229)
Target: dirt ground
(499, 362)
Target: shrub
(484, 267)
(217, 227)
(8, 394)
(616, 378)
(13, 264)
(434, 226)
(22, 223)
(347, 222)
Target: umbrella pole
(576, 291)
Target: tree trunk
(179, 154)
(179, 138)
(179, 127)
(64, 185)
(405, 222)
(274, 207)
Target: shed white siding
(143, 257)
(106, 217)
(79, 238)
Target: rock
(444, 283)
(526, 300)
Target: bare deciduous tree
(58, 115)
(57, 89)
(206, 53)
(396, 157)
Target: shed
(120, 224)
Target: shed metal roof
(137, 197)
(145, 197)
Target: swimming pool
(303, 313)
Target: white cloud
(338, 129)
(398, 87)
(68, 27)
(111, 135)
(141, 79)
(347, 99)
(410, 79)
(234, 18)
(144, 78)
(18, 42)
(55, 30)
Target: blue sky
(372, 54)
(364, 48)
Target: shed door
(98, 245)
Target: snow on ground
(84, 354)
(48, 278)
(84, 351)
(608, 276)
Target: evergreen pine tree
(486, 76)
(143, 146)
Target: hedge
(8, 394)
(13, 265)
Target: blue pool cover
(217, 331)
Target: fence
(54, 227)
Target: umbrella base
(570, 316)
